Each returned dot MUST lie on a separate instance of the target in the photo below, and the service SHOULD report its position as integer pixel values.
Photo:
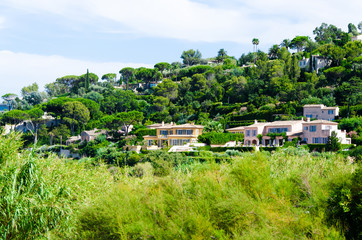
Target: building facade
(173, 135)
(320, 112)
(285, 129)
(318, 131)
(314, 63)
(276, 133)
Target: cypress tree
(86, 85)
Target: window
(164, 132)
(309, 115)
(325, 140)
(313, 128)
(150, 142)
(247, 133)
(184, 132)
(175, 142)
(179, 142)
(254, 132)
(277, 130)
(330, 111)
(317, 140)
(306, 128)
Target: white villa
(317, 63)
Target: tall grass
(289, 194)
(257, 196)
(39, 196)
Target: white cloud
(234, 20)
(21, 69)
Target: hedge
(241, 149)
(220, 138)
(268, 149)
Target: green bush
(317, 147)
(241, 149)
(220, 138)
(345, 207)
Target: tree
(273, 51)
(167, 89)
(146, 75)
(352, 29)
(221, 55)
(327, 33)
(35, 117)
(191, 57)
(9, 98)
(332, 52)
(69, 82)
(86, 82)
(127, 74)
(15, 117)
(55, 106)
(255, 42)
(162, 66)
(76, 111)
(360, 26)
(350, 92)
(129, 118)
(285, 43)
(33, 98)
(29, 89)
(213, 126)
(333, 144)
(55, 89)
(299, 42)
(110, 77)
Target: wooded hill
(258, 85)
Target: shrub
(220, 138)
(345, 207)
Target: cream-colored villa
(320, 112)
(170, 134)
(308, 131)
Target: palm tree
(285, 43)
(221, 55)
(273, 51)
(255, 42)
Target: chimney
(192, 123)
(308, 119)
(163, 123)
(255, 121)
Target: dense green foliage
(256, 196)
(220, 138)
(286, 194)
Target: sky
(42, 40)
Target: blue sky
(41, 40)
